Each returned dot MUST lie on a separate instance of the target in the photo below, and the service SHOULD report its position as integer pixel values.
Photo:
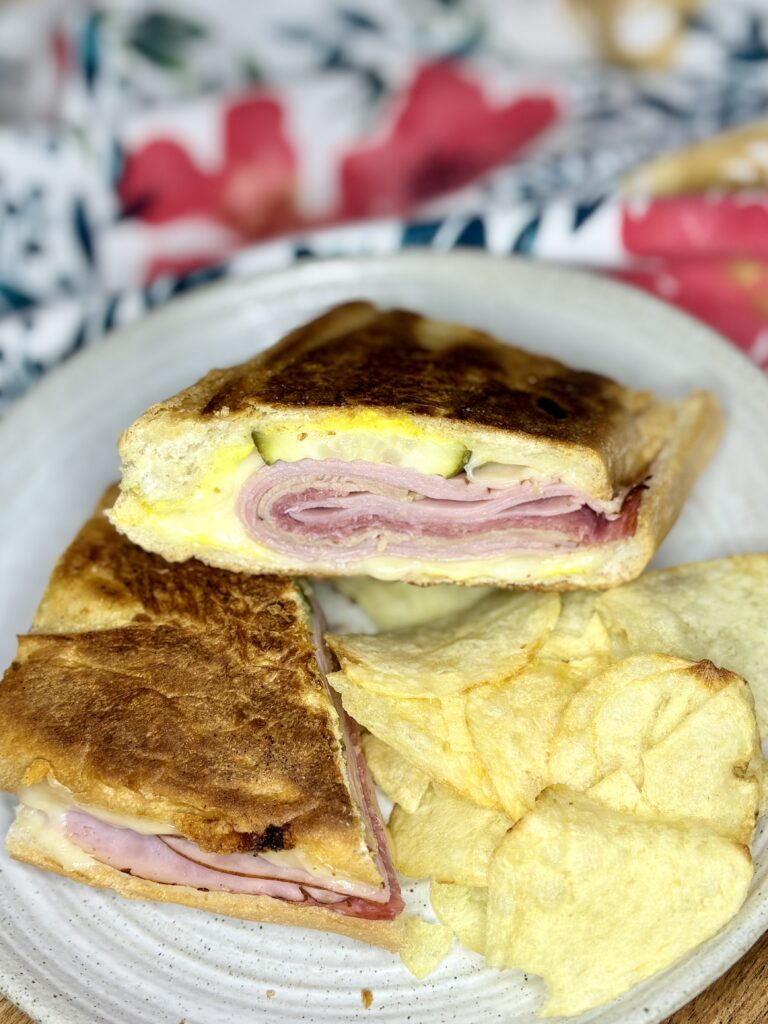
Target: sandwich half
(387, 444)
(170, 734)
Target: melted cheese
(48, 834)
(54, 800)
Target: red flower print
(729, 295)
(251, 192)
(698, 226)
(446, 134)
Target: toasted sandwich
(387, 444)
(170, 734)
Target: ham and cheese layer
(173, 860)
(354, 510)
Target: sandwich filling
(354, 510)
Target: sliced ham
(253, 866)
(155, 859)
(354, 510)
(151, 858)
(362, 790)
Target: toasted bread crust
(359, 357)
(185, 694)
(387, 934)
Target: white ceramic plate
(73, 955)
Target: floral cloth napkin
(145, 149)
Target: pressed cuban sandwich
(170, 734)
(391, 445)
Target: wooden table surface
(739, 997)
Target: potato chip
(512, 725)
(402, 783)
(393, 605)
(488, 642)
(710, 767)
(620, 791)
(578, 633)
(419, 728)
(426, 945)
(462, 908)
(579, 757)
(594, 900)
(709, 610)
(448, 838)
(684, 735)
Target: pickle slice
(432, 457)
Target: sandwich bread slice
(170, 734)
(387, 444)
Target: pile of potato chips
(578, 774)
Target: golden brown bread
(358, 356)
(183, 694)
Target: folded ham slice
(152, 858)
(175, 861)
(354, 510)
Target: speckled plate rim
(452, 269)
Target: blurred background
(146, 148)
